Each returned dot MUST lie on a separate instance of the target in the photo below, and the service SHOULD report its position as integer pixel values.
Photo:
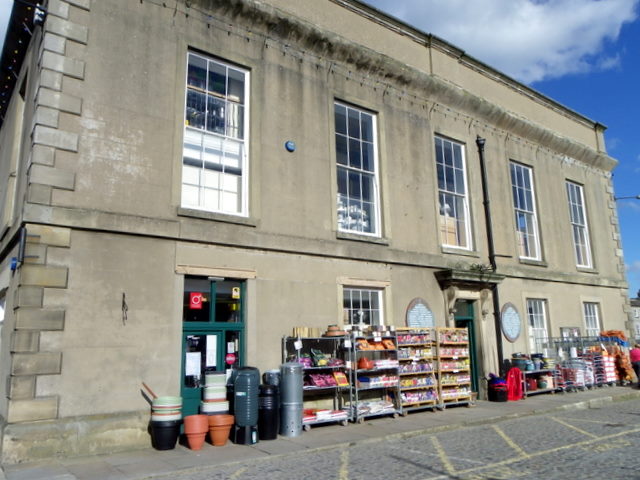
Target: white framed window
(538, 324)
(362, 305)
(593, 325)
(215, 145)
(358, 204)
(580, 229)
(525, 211)
(452, 194)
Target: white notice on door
(192, 364)
(212, 350)
(231, 347)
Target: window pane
(236, 86)
(367, 128)
(355, 156)
(355, 191)
(341, 119)
(196, 109)
(354, 123)
(217, 79)
(342, 181)
(215, 114)
(197, 72)
(341, 150)
(367, 157)
(235, 120)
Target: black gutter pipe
(491, 250)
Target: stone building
(201, 176)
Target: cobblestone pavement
(594, 443)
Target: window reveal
(579, 227)
(214, 166)
(357, 172)
(525, 211)
(452, 194)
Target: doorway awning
(467, 279)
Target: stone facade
(93, 216)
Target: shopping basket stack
(573, 372)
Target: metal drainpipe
(491, 250)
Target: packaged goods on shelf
(377, 381)
(416, 367)
(386, 363)
(419, 396)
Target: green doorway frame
(210, 335)
(465, 318)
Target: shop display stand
(454, 369)
(416, 354)
(604, 369)
(321, 385)
(536, 375)
(374, 377)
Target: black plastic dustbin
(268, 412)
(498, 393)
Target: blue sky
(584, 54)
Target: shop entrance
(212, 333)
(464, 318)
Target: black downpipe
(491, 250)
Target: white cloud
(634, 267)
(531, 40)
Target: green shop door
(212, 333)
(464, 319)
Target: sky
(584, 54)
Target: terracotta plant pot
(219, 434)
(196, 424)
(221, 419)
(219, 428)
(196, 440)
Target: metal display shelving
(536, 374)
(318, 388)
(374, 377)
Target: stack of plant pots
(166, 417)
(216, 406)
(214, 394)
(195, 429)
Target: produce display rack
(325, 398)
(454, 369)
(374, 377)
(416, 354)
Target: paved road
(600, 443)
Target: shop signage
(195, 300)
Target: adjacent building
(183, 183)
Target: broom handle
(149, 390)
